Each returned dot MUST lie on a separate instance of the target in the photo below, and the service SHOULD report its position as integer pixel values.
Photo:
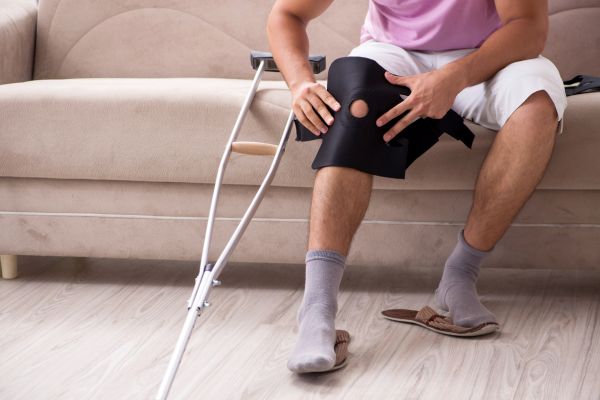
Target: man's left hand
(432, 95)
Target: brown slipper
(428, 318)
(342, 338)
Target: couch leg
(9, 266)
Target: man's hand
(522, 36)
(310, 96)
(288, 41)
(432, 95)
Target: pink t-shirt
(430, 25)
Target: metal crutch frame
(209, 273)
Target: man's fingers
(318, 105)
(395, 79)
(394, 112)
(328, 98)
(312, 116)
(408, 119)
(310, 101)
(299, 113)
(307, 124)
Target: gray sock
(456, 291)
(316, 316)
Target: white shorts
(488, 103)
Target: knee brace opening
(359, 108)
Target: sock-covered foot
(314, 350)
(456, 291)
(316, 339)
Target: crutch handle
(254, 148)
(317, 62)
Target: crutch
(208, 274)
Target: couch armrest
(17, 40)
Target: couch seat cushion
(175, 129)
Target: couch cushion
(17, 38)
(174, 130)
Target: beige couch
(114, 115)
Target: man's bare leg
(512, 169)
(339, 202)
(510, 172)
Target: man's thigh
(492, 102)
(391, 57)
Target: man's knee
(537, 111)
(359, 108)
(345, 174)
(354, 140)
(543, 111)
(544, 105)
(534, 88)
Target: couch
(114, 116)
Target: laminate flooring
(79, 328)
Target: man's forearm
(519, 39)
(288, 42)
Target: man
(478, 57)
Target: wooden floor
(75, 328)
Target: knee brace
(356, 142)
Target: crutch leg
(203, 282)
(207, 277)
(211, 272)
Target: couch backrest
(173, 38)
(213, 38)
(574, 38)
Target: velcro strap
(452, 124)
(302, 133)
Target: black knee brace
(357, 142)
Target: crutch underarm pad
(356, 142)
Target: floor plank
(77, 328)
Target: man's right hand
(309, 101)
(288, 42)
